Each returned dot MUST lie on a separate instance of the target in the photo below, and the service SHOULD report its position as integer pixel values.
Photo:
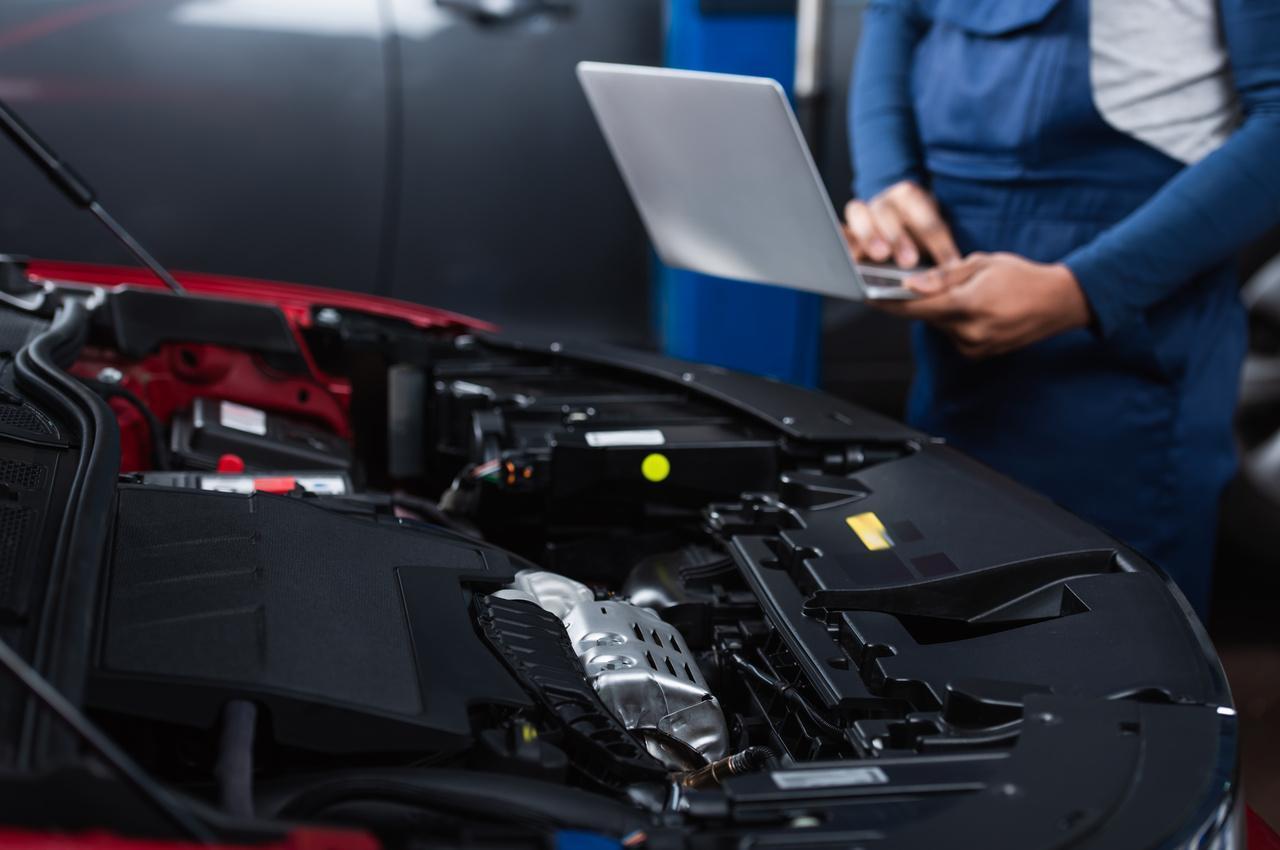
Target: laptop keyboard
(877, 278)
(889, 277)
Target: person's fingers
(924, 222)
(855, 247)
(847, 229)
(867, 237)
(941, 308)
(888, 222)
(944, 277)
(968, 337)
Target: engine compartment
(430, 582)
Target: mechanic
(1084, 174)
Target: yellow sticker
(655, 468)
(870, 531)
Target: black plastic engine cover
(356, 635)
(972, 595)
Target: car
(283, 562)
(293, 567)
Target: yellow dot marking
(655, 468)
(870, 531)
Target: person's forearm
(881, 121)
(1213, 208)
(1202, 217)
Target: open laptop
(724, 180)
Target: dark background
(403, 147)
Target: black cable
(118, 759)
(159, 447)
(497, 797)
(747, 761)
(433, 512)
(787, 692)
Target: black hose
(787, 692)
(757, 758)
(495, 797)
(234, 768)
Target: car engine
(636, 662)
(419, 579)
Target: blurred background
(438, 151)
(441, 151)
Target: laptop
(724, 180)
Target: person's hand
(994, 303)
(899, 224)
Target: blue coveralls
(988, 103)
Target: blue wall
(760, 329)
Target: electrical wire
(120, 761)
(787, 692)
(159, 449)
(432, 512)
(747, 761)
(487, 469)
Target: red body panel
(1258, 833)
(296, 300)
(299, 839)
(172, 378)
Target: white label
(243, 418)
(321, 485)
(227, 483)
(607, 439)
(835, 777)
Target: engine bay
(432, 581)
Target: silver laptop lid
(722, 176)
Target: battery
(264, 440)
(318, 483)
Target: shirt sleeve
(882, 129)
(1210, 210)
